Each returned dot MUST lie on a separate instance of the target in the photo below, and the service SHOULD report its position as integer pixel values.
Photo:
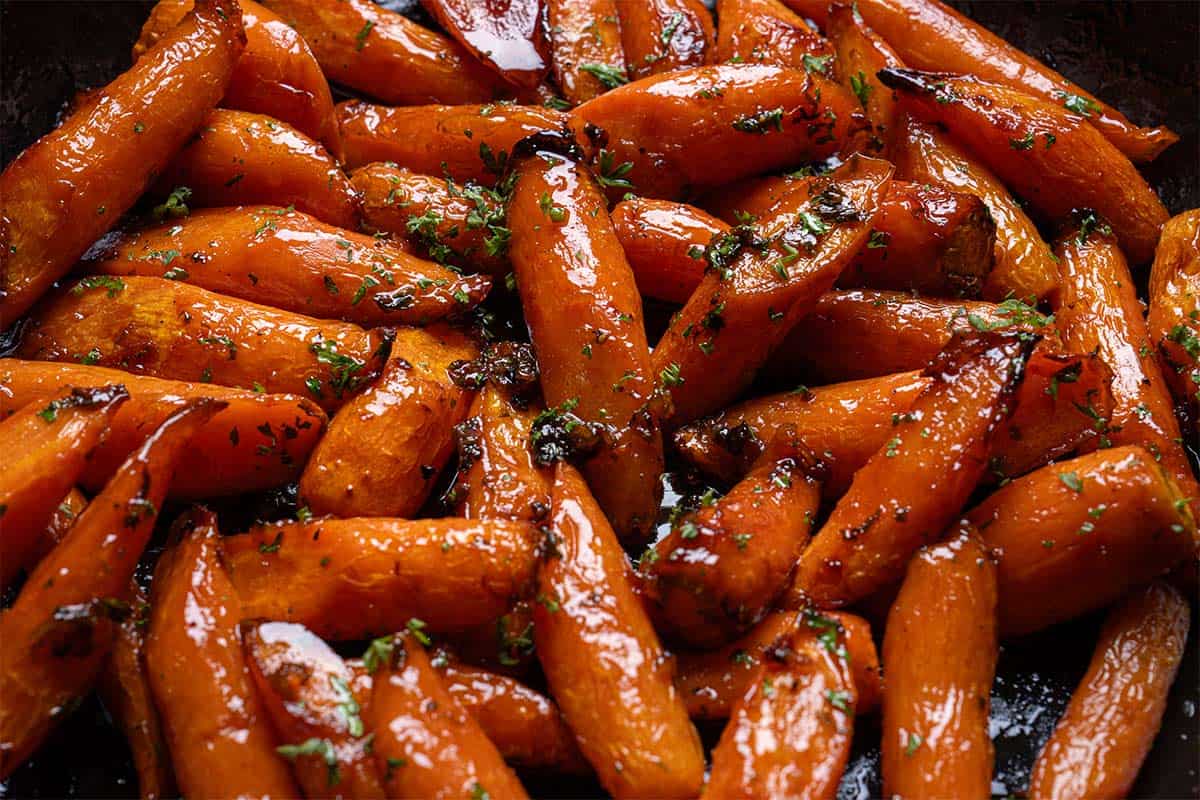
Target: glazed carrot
(60, 522)
(585, 43)
(678, 129)
(664, 35)
(382, 455)
(930, 35)
(767, 32)
(939, 655)
(664, 243)
(73, 184)
(1099, 310)
(464, 226)
(585, 319)
(426, 743)
(48, 446)
(744, 307)
(240, 158)
(1024, 266)
(466, 143)
(720, 569)
(507, 38)
(1100, 742)
(595, 643)
(352, 578)
(257, 442)
(217, 729)
(789, 735)
(1050, 156)
(306, 691)
(375, 50)
(860, 55)
(287, 259)
(504, 645)
(276, 75)
(168, 329)
(1076, 535)
(58, 633)
(912, 488)
(1174, 318)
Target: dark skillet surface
(1142, 57)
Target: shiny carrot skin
(1101, 741)
(60, 522)
(277, 75)
(789, 735)
(677, 129)
(768, 32)
(468, 142)
(307, 692)
(1174, 318)
(73, 184)
(1076, 535)
(463, 225)
(354, 578)
(257, 442)
(506, 38)
(664, 243)
(912, 488)
(595, 643)
(292, 261)
(382, 456)
(168, 329)
(1050, 156)
(48, 446)
(384, 54)
(584, 34)
(930, 35)
(664, 35)
(240, 158)
(217, 729)
(58, 633)
(860, 55)
(939, 655)
(742, 311)
(585, 319)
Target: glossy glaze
(661, 36)
(859, 55)
(504, 35)
(660, 239)
(584, 32)
(1174, 318)
(766, 32)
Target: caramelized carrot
(585, 42)
(506, 38)
(1099, 744)
(239, 158)
(860, 55)
(60, 522)
(585, 319)
(58, 633)
(595, 644)
(664, 35)
(287, 259)
(939, 655)
(1174, 318)
(912, 488)
(665, 243)
(767, 32)
(383, 453)
(73, 184)
(1076, 535)
(216, 727)
(352, 578)
(168, 329)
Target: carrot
(664, 35)
(860, 55)
(1174, 318)
(585, 43)
(508, 38)
(767, 32)
(665, 243)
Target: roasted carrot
(745, 306)
(168, 329)
(240, 158)
(768, 32)
(1050, 156)
(1174, 318)
(73, 184)
(58, 633)
(507, 38)
(678, 129)
(276, 75)
(860, 55)
(60, 522)
(217, 729)
(913, 486)
(1076, 535)
(258, 441)
(287, 259)
(595, 643)
(48, 446)
(370, 48)
(789, 735)
(352, 578)
(665, 243)
(383, 453)
(664, 35)
(1100, 742)
(930, 35)
(463, 226)
(585, 319)
(939, 655)
(585, 43)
